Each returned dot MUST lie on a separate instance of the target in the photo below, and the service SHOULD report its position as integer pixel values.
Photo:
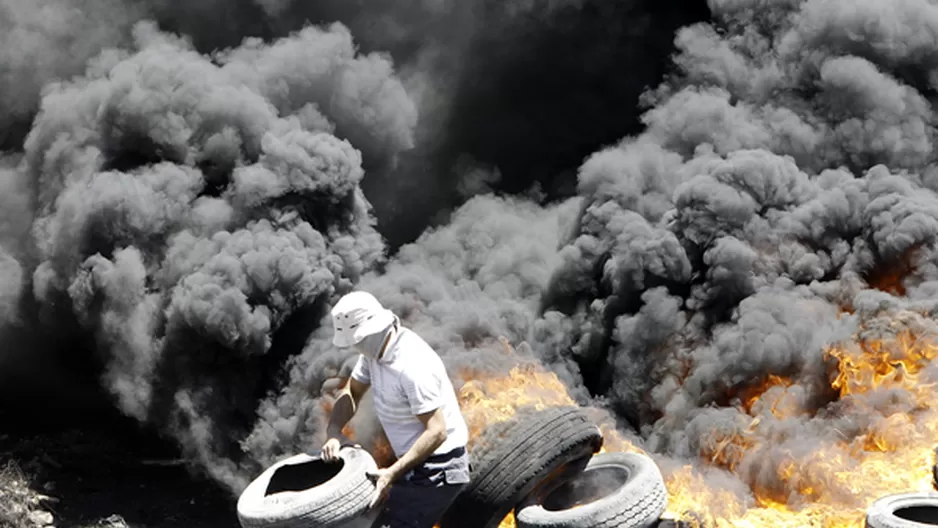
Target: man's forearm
(342, 412)
(425, 445)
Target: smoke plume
(180, 203)
(785, 168)
(460, 286)
(183, 218)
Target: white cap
(357, 315)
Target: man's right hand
(330, 450)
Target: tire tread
(505, 470)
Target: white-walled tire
(614, 490)
(904, 510)
(517, 455)
(303, 491)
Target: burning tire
(904, 510)
(303, 491)
(614, 490)
(528, 449)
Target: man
(416, 405)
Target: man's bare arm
(345, 407)
(432, 437)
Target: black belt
(445, 457)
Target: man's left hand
(382, 479)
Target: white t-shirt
(410, 379)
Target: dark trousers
(420, 498)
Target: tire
(527, 449)
(627, 491)
(904, 510)
(934, 471)
(303, 491)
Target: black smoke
(186, 189)
(181, 220)
(183, 200)
(786, 168)
(518, 91)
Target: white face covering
(370, 346)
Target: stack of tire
(546, 466)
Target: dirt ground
(113, 477)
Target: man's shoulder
(410, 345)
(413, 343)
(415, 353)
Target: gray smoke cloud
(471, 72)
(15, 217)
(47, 40)
(182, 200)
(461, 287)
(786, 169)
(183, 217)
(190, 204)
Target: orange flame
(486, 401)
(831, 486)
(489, 398)
(827, 485)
